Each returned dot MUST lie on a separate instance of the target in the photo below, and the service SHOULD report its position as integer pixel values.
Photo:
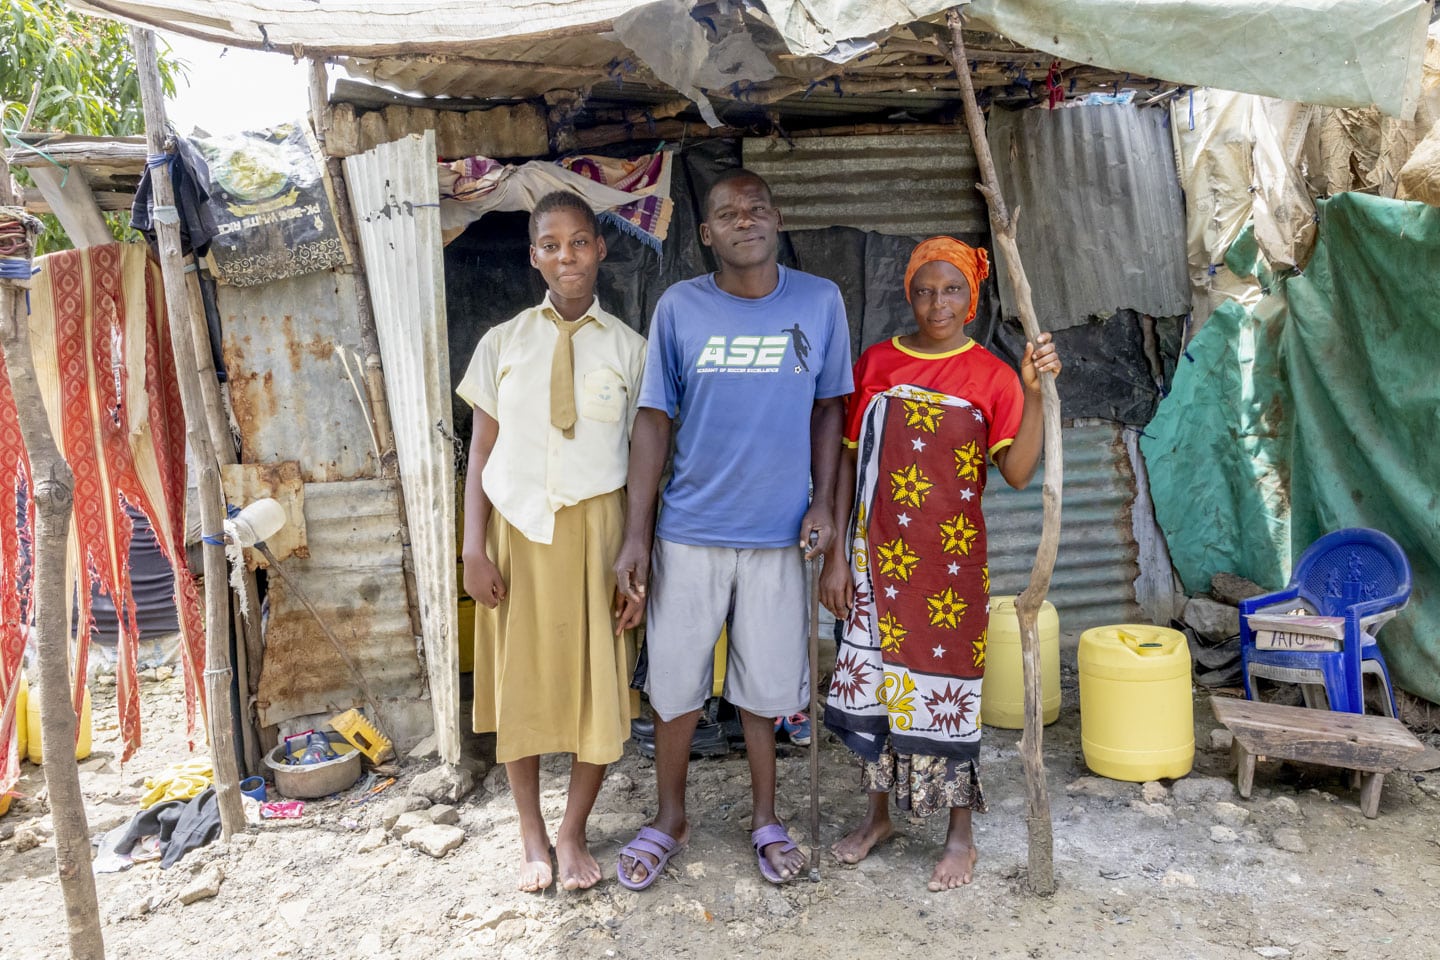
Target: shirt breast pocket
(603, 396)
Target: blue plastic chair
(1358, 574)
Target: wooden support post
(212, 499)
(53, 493)
(1041, 876)
(217, 421)
(69, 195)
(1244, 769)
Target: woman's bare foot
(536, 873)
(874, 830)
(955, 869)
(578, 869)
(857, 844)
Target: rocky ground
(1176, 870)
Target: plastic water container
(1002, 692)
(82, 746)
(1137, 718)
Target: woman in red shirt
(928, 409)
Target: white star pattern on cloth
(954, 568)
(891, 592)
(939, 651)
(918, 444)
(967, 494)
(903, 519)
(978, 415)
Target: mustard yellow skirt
(550, 674)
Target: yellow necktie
(562, 375)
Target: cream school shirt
(534, 470)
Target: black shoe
(708, 741)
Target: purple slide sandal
(649, 842)
(764, 837)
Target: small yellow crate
(362, 735)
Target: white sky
(232, 89)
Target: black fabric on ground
(190, 175)
(182, 825)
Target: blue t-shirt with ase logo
(740, 378)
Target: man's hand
(817, 520)
(632, 571)
(483, 581)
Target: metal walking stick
(814, 571)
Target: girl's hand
(1040, 357)
(483, 581)
(837, 589)
(627, 613)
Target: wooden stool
(1370, 745)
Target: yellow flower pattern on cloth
(956, 536)
(897, 560)
(892, 634)
(946, 609)
(897, 694)
(969, 461)
(985, 578)
(910, 486)
(923, 416)
(979, 656)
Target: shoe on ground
(708, 741)
(796, 727)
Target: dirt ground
(1176, 870)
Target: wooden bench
(1370, 745)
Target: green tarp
(1316, 410)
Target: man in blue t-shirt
(749, 367)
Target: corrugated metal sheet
(396, 201)
(285, 346)
(1102, 220)
(905, 185)
(354, 578)
(1095, 570)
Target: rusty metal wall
(396, 201)
(354, 578)
(1100, 196)
(1098, 562)
(909, 185)
(286, 345)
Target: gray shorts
(759, 596)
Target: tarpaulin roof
(1337, 52)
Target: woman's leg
(578, 869)
(957, 863)
(535, 871)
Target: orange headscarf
(971, 261)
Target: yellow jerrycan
(1002, 692)
(1137, 718)
(82, 746)
(22, 719)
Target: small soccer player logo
(801, 343)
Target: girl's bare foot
(578, 869)
(857, 844)
(955, 869)
(536, 873)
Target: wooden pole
(53, 493)
(1041, 877)
(212, 499)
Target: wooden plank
(110, 201)
(1354, 741)
(68, 193)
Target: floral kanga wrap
(912, 655)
